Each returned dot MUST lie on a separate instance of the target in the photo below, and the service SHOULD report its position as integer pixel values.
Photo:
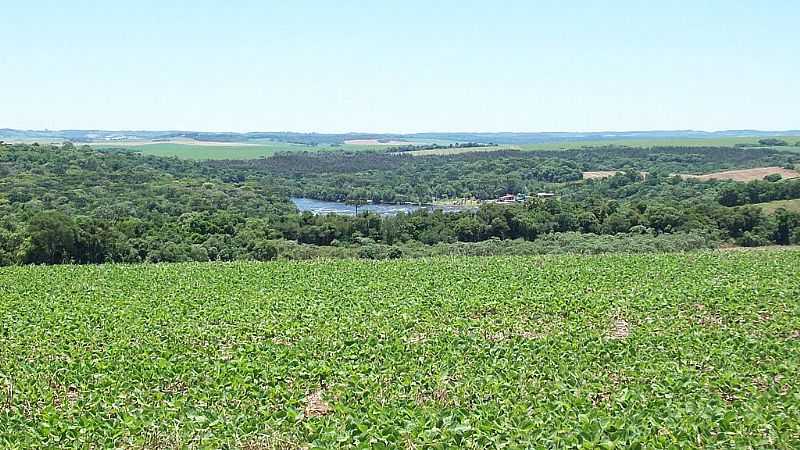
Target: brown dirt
(273, 442)
(621, 330)
(706, 318)
(770, 248)
(764, 383)
(375, 142)
(281, 341)
(64, 394)
(139, 143)
(599, 174)
(745, 175)
(175, 388)
(416, 338)
(530, 335)
(710, 320)
(599, 398)
(315, 406)
(9, 395)
(495, 337)
(439, 396)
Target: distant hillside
(111, 136)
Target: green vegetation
(789, 205)
(216, 151)
(263, 147)
(759, 191)
(773, 142)
(467, 352)
(664, 350)
(67, 204)
(205, 151)
(661, 142)
(384, 177)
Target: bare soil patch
(416, 338)
(745, 175)
(620, 330)
(139, 143)
(459, 150)
(375, 142)
(600, 174)
(316, 406)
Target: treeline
(413, 148)
(665, 159)
(736, 194)
(66, 204)
(393, 178)
(390, 178)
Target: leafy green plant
(650, 351)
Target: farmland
(250, 149)
(206, 151)
(789, 205)
(202, 151)
(757, 173)
(627, 142)
(662, 142)
(454, 352)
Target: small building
(545, 195)
(508, 198)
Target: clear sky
(400, 66)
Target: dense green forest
(418, 147)
(77, 204)
(389, 177)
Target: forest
(389, 177)
(76, 204)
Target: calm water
(323, 207)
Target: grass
(456, 151)
(666, 142)
(202, 151)
(745, 175)
(789, 205)
(219, 152)
(655, 351)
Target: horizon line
(218, 131)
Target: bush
(264, 251)
(379, 251)
(752, 239)
(198, 253)
(773, 142)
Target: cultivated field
(204, 151)
(757, 173)
(789, 205)
(219, 151)
(574, 144)
(649, 351)
(456, 151)
(188, 149)
(376, 142)
(665, 142)
(600, 174)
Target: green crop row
(654, 351)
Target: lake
(323, 207)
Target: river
(382, 209)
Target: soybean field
(621, 351)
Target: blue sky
(400, 66)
